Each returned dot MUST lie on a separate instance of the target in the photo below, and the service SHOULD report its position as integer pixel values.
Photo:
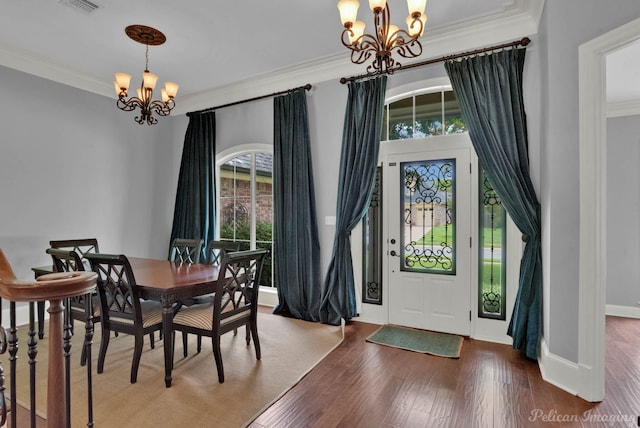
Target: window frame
(413, 94)
(224, 157)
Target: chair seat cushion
(198, 316)
(201, 316)
(151, 314)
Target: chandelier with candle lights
(144, 101)
(387, 39)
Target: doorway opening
(593, 207)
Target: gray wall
(73, 166)
(623, 202)
(565, 26)
(123, 176)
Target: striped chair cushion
(151, 314)
(201, 316)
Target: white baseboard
(622, 311)
(268, 297)
(557, 370)
(373, 314)
(500, 340)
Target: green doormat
(426, 342)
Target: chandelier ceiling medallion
(386, 39)
(149, 37)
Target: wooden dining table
(169, 283)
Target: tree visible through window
(246, 204)
(422, 115)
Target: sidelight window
(492, 266)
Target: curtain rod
(524, 42)
(306, 87)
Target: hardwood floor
(361, 384)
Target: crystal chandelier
(149, 37)
(386, 39)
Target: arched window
(245, 200)
(421, 114)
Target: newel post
(56, 415)
(54, 287)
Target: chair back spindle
(186, 250)
(215, 251)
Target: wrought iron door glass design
(372, 246)
(493, 241)
(428, 213)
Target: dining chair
(121, 309)
(213, 255)
(234, 304)
(215, 250)
(185, 250)
(81, 308)
(80, 246)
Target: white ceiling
(213, 45)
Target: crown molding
(56, 72)
(518, 18)
(318, 70)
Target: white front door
(428, 208)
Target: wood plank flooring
(361, 384)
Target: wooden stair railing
(55, 288)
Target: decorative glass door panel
(427, 204)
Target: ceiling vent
(85, 6)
